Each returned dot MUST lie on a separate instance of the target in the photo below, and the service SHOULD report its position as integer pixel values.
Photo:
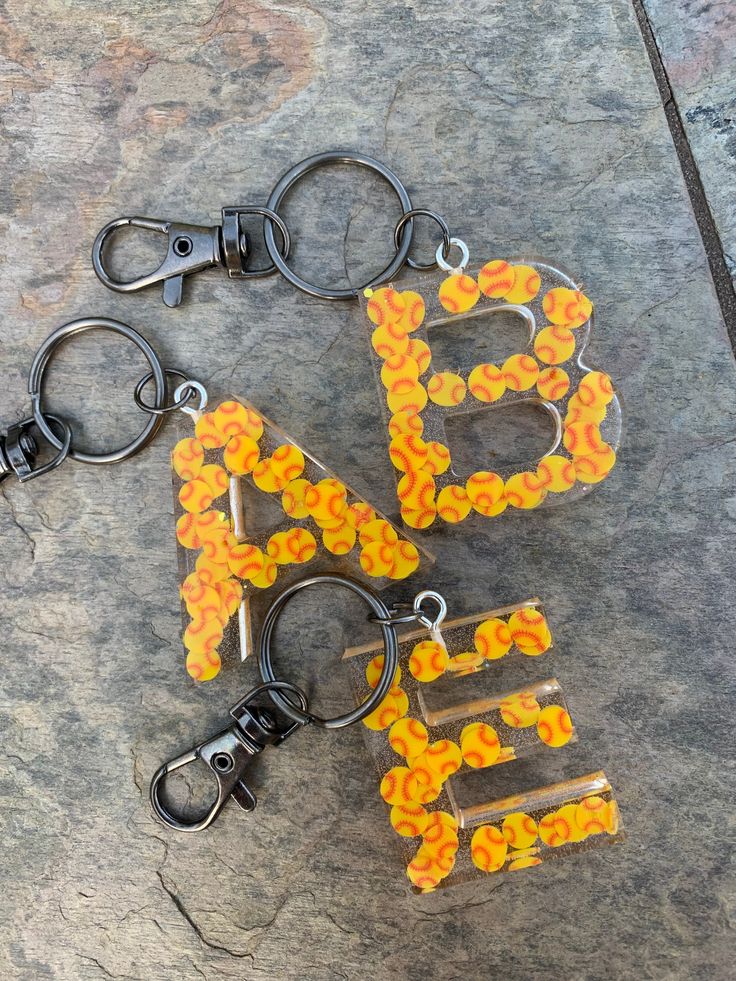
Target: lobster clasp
(190, 248)
(228, 756)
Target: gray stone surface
(530, 127)
(697, 44)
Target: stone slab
(530, 128)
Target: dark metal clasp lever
(228, 755)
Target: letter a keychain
(423, 745)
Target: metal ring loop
(390, 643)
(295, 174)
(417, 213)
(268, 216)
(464, 257)
(41, 362)
(189, 392)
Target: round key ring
(390, 644)
(292, 177)
(41, 362)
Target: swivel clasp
(19, 449)
(190, 249)
(228, 756)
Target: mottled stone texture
(531, 127)
(697, 44)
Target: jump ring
(295, 174)
(424, 212)
(464, 256)
(187, 396)
(390, 643)
(41, 363)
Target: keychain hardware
(228, 755)
(230, 752)
(192, 248)
(19, 447)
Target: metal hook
(228, 755)
(191, 248)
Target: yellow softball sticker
(383, 716)
(405, 424)
(529, 631)
(446, 388)
(203, 665)
(458, 293)
(553, 384)
(385, 305)
(399, 786)
(485, 489)
(438, 458)
(187, 458)
(374, 670)
(207, 432)
(241, 454)
(400, 373)
(412, 401)
(486, 383)
(496, 278)
(524, 490)
(488, 848)
(419, 517)
(429, 659)
(480, 745)
(554, 726)
(519, 830)
(408, 820)
(520, 711)
(554, 345)
(520, 372)
(413, 314)
(591, 815)
(390, 339)
(556, 473)
(216, 479)
(416, 490)
(453, 503)
(408, 452)
(245, 561)
(421, 352)
(406, 560)
(195, 496)
(526, 285)
(266, 479)
(595, 389)
(408, 738)
(444, 757)
(377, 559)
(287, 462)
(493, 639)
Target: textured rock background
(531, 127)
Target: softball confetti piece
(187, 458)
(453, 504)
(496, 279)
(399, 786)
(203, 666)
(519, 830)
(408, 820)
(486, 383)
(389, 340)
(526, 285)
(459, 293)
(446, 388)
(385, 305)
(493, 638)
(408, 737)
(429, 659)
(207, 432)
(554, 726)
(414, 310)
(480, 745)
(520, 711)
(488, 848)
(241, 454)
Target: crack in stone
(19, 525)
(193, 924)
